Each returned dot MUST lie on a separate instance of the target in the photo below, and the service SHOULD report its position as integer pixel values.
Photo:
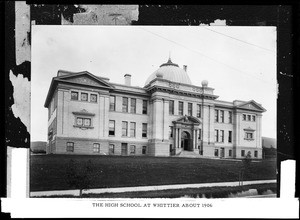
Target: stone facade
(90, 115)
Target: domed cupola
(172, 72)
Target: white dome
(172, 72)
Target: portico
(186, 130)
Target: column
(179, 138)
(196, 139)
(193, 131)
(175, 137)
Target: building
(169, 116)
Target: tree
(246, 163)
(79, 175)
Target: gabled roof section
(188, 120)
(251, 105)
(83, 78)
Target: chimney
(185, 67)
(127, 78)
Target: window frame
(230, 117)
(87, 96)
(111, 149)
(110, 128)
(73, 92)
(216, 135)
(222, 116)
(125, 104)
(145, 107)
(216, 115)
(132, 129)
(97, 147)
(125, 129)
(133, 107)
(190, 109)
(180, 108)
(144, 150)
(171, 107)
(95, 95)
(242, 153)
(144, 130)
(112, 104)
(132, 149)
(198, 113)
(222, 136)
(229, 136)
(68, 146)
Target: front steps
(190, 154)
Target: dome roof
(170, 71)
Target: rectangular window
(84, 96)
(74, 95)
(190, 109)
(199, 134)
(171, 107)
(124, 128)
(111, 131)
(230, 117)
(125, 105)
(222, 136)
(144, 130)
(230, 153)
(249, 135)
(171, 132)
(70, 146)
(198, 111)
(132, 129)
(249, 117)
(112, 103)
(216, 115)
(253, 117)
(96, 148)
(144, 149)
(216, 152)
(145, 107)
(132, 149)
(85, 122)
(93, 98)
(133, 106)
(216, 135)
(180, 108)
(222, 115)
(255, 153)
(111, 149)
(244, 117)
(229, 136)
(242, 153)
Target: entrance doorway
(222, 152)
(186, 141)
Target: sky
(238, 62)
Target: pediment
(251, 105)
(85, 78)
(188, 120)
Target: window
(171, 132)
(144, 149)
(112, 103)
(198, 111)
(255, 153)
(216, 135)
(132, 149)
(230, 117)
(111, 125)
(133, 106)
(230, 153)
(216, 152)
(180, 108)
(171, 107)
(221, 135)
(244, 117)
(84, 96)
(132, 129)
(229, 136)
(93, 98)
(242, 153)
(70, 146)
(199, 134)
(144, 130)
(190, 109)
(125, 105)
(222, 116)
(74, 95)
(253, 117)
(145, 107)
(124, 128)
(249, 117)
(216, 115)
(249, 135)
(96, 148)
(84, 122)
(111, 149)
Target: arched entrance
(186, 141)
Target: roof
(172, 72)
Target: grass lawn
(48, 172)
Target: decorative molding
(83, 112)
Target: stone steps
(191, 154)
